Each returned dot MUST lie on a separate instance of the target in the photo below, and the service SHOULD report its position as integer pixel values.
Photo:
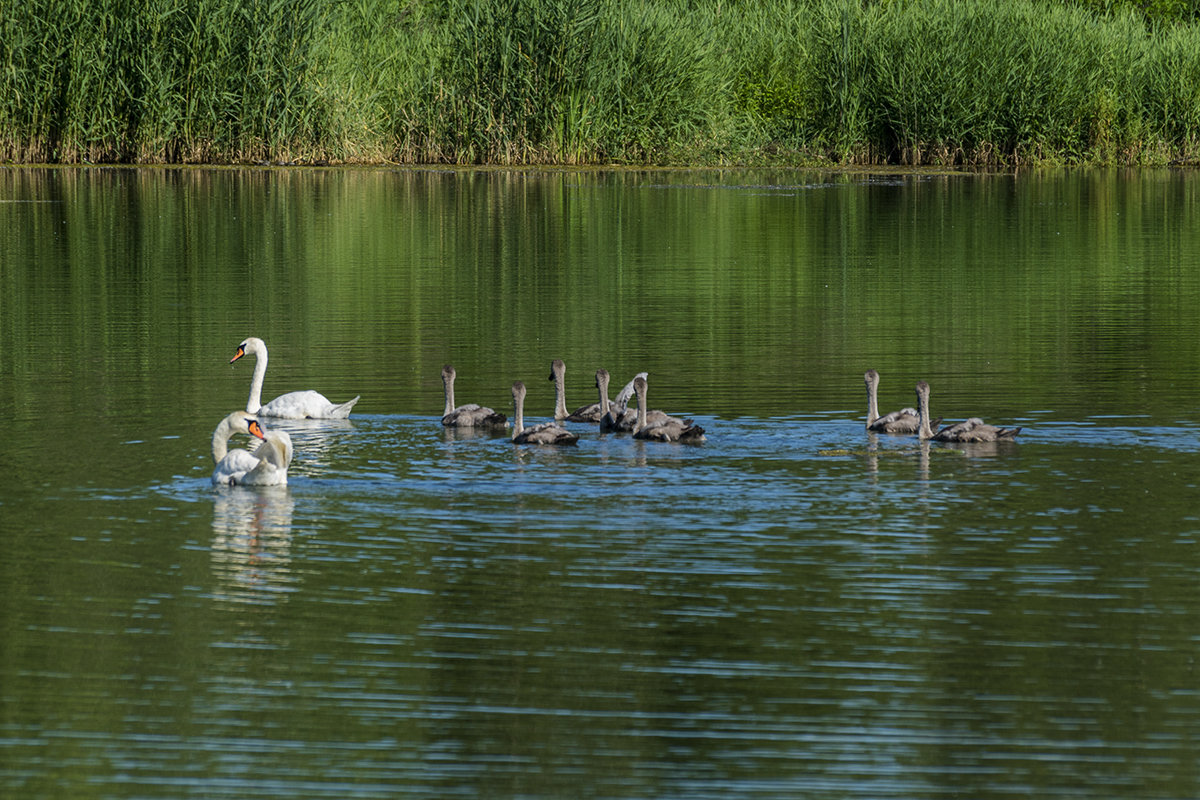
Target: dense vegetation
(597, 81)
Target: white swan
(972, 430)
(903, 421)
(266, 466)
(470, 415)
(305, 404)
(670, 429)
(274, 457)
(546, 433)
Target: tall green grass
(158, 80)
(594, 81)
(981, 82)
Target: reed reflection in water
(793, 608)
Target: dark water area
(794, 608)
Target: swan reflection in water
(251, 544)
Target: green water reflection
(794, 609)
(758, 293)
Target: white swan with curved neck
(266, 466)
(274, 457)
(305, 404)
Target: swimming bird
(590, 413)
(972, 430)
(621, 401)
(266, 466)
(470, 415)
(274, 457)
(620, 417)
(668, 430)
(903, 421)
(545, 433)
(614, 417)
(305, 404)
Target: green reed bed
(594, 81)
(992, 80)
(156, 80)
(564, 81)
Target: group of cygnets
(916, 420)
(612, 416)
(268, 464)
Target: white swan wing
(265, 473)
(276, 449)
(307, 404)
(233, 467)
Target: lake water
(793, 609)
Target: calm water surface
(794, 609)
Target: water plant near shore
(594, 81)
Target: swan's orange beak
(256, 429)
(241, 351)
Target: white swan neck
(254, 403)
(220, 441)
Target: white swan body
(971, 430)
(546, 433)
(670, 429)
(274, 457)
(233, 465)
(266, 466)
(305, 404)
(470, 415)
